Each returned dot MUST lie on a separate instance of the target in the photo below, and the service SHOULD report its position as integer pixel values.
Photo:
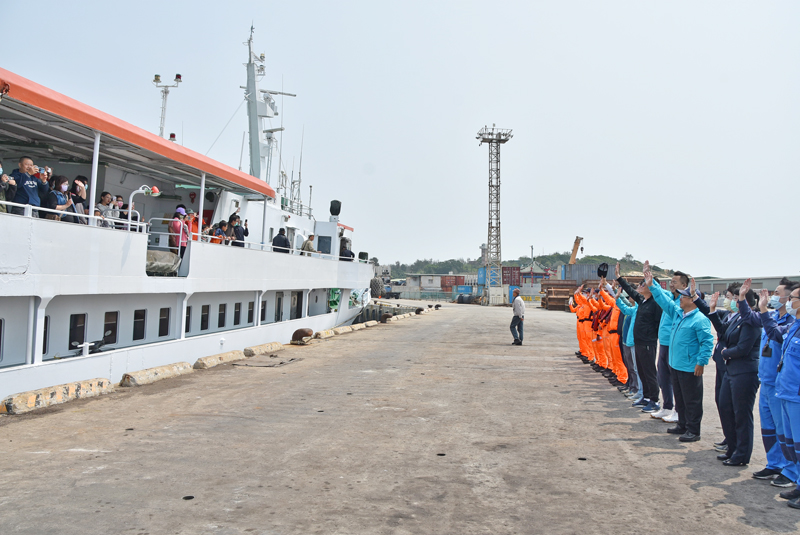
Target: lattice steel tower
(494, 137)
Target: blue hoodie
(665, 327)
(629, 311)
(787, 383)
(691, 341)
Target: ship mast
(260, 105)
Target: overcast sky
(669, 130)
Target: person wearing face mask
(779, 471)
(178, 232)
(679, 281)
(239, 232)
(738, 349)
(691, 344)
(8, 189)
(787, 381)
(59, 199)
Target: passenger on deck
(221, 234)
(106, 207)
(194, 224)
(134, 217)
(178, 232)
(78, 194)
(229, 229)
(29, 187)
(280, 243)
(345, 254)
(8, 189)
(308, 246)
(59, 199)
(118, 203)
(240, 232)
(207, 233)
(101, 222)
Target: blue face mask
(1, 169)
(734, 306)
(775, 302)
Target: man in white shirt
(518, 306)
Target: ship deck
(435, 424)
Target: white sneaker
(672, 418)
(661, 413)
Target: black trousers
(688, 392)
(721, 372)
(736, 400)
(646, 364)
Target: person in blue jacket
(30, 189)
(691, 344)
(779, 470)
(787, 382)
(679, 281)
(629, 307)
(737, 353)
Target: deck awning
(38, 121)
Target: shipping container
(448, 280)
(464, 289)
(459, 280)
(511, 289)
(482, 276)
(511, 276)
(447, 289)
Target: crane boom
(578, 241)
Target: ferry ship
(106, 296)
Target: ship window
(237, 313)
(204, 313)
(46, 334)
(188, 319)
(110, 324)
(77, 329)
(279, 306)
(263, 311)
(139, 320)
(221, 317)
(250, 311)
(163, 322)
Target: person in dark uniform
(645, 336)
(737, 349)
(280, 243)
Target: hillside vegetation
(628, 264)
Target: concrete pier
(431, 424)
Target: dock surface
(431, 424)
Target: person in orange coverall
(611, 338)
(585, 323)
(582, 313)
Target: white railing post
(202, 203)
(93, 189)
(264, 224)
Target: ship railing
(158, 237)
(90, 220)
